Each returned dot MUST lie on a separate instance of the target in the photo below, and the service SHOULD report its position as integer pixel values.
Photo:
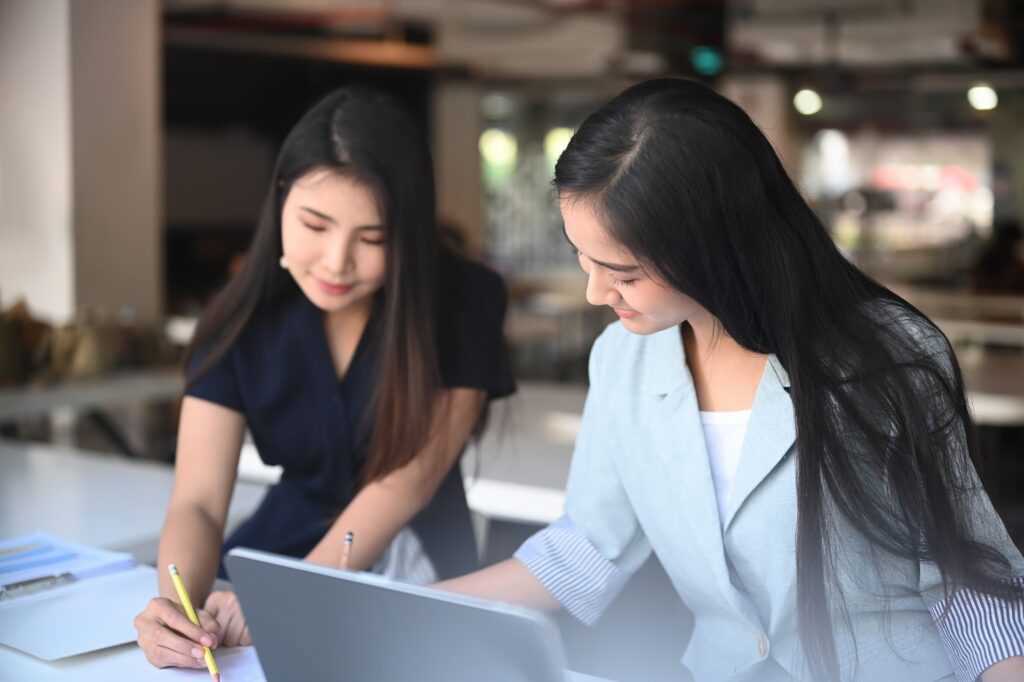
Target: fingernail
(206, 641)
(197, 653)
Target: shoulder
(641, 363)
(465, 282)
(264, 331)
(908, 333)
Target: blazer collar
(771, 433)
(664, 363)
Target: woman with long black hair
(791, 438)
(358, 353)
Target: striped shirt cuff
(582, 579)
(979, 631)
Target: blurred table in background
(94, 499)
(121, 388)
(93, 398)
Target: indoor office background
(137, 139)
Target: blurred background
(137, 139)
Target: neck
(725, 374)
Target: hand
(169, 639)
(225, 608)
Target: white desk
(98, 500)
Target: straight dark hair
(682, 177)
(369, 137)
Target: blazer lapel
(678, 437)
(771, 432)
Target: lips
(333, 289)
(625, 314)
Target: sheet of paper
(236, 665)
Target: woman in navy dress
(359, 354)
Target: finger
(168, 658)
(209, 622)
(165, 638)
(246, 638)
(176, 620)
(233, 627)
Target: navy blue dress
(280, 375)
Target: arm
(206, 465)
(508, 581)
(1006, 670)
(209, 441)
(383, 507)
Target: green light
(706, 60)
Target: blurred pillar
(80, 207)
(36, 258)
(456, 135)
(768, 101)
(1007, 156)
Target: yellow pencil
(191, 613)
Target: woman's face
(333, 239)
(615, 278)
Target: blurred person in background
(358, 353)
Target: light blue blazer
(641, 481)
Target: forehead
(331, 192)
(584, 227)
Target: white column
(80, 205)
(36, 199)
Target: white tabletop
(98, 500)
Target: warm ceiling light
(983, 97)
(807, 102)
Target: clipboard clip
(27, 587)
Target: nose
(599, 290)
(338, 255)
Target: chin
(643, 326)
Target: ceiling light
(982, 97)
(807, 102)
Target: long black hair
(371, 138)
(682, 177)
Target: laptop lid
(311, 622)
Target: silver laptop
(310, 622)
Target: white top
(723, 435)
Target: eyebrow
(617, 267)
(324, 216)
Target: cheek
(373, 262)
(295, 241)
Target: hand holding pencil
(186, 603)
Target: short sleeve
(218, 384)
(586, 558)
(471, 339)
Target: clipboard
(60, 599)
